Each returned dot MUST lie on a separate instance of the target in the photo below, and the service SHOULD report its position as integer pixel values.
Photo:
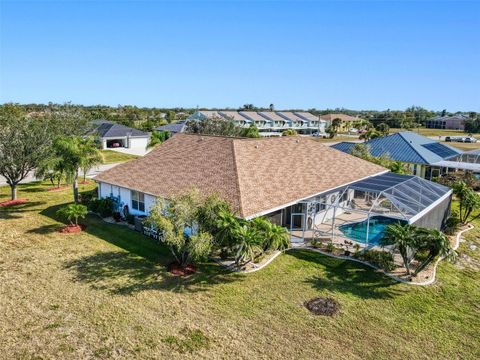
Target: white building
(269, 123)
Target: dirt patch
(57, 188)
(85, 182)
(322, 306)
(13, 202)
(177, 270)
(71, 229)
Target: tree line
(147, 118)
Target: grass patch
(188, 341)
(110, 156)
(109, 289)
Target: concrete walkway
(93, 172)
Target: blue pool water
(358, 231)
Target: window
(138, 201)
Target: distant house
(454, 122)
(113, 135)
(174, 128)
(269, 123)
(295, 182)
(347, 121)
(426, 157)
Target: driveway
(93, 172)
(131, 151)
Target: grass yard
(105, 294)
(110, 156)
(436, 132)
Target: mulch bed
(13, 202)
(57, 188)
(322, 306)
(86, 182)
(71, 229)
(177, 270)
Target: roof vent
(297, 141)
(256, 146)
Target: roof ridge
(400, 133)
(240, 200)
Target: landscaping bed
(9, 203)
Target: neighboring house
(454, 122)
(269, 123)
(174, 128)
(113, 135)
(295, 182)
(427, 158)
(347, 121)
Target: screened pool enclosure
(360, 212)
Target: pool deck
(323, 232)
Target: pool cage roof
(409, 195)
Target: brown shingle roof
(253, 175)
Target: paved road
(93, 172)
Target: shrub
(452, 223)
(330, 247)
(86, 197)
(382, 259)
(72, 212)
(130, 219)
(103, 207)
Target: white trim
(280, 207)
(127, 188)
(428, 208)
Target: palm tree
(73, 211)
(90, 157)
(274, 237)
(369, 134)
(248, 244)
(51, 168)
(437, 244)
(227, 229)
(157, 138)
(74, 152)
(404, 238)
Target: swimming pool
(358, 231)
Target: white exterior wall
(138, 143)
(125, 197)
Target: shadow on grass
(348, 277)
(15, 211)
(45, 229)
(125, 273)
(142, 266)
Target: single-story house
(295, 182)
(174, 128)
(427, 158)
(269, 123)
(113, 135)
(454, 122)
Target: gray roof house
(113, 135)
(174, 128)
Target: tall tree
(24, 142)
(74, 152)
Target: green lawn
(110, 156)
(105, 293)
(435, 132)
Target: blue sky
(294, 54)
